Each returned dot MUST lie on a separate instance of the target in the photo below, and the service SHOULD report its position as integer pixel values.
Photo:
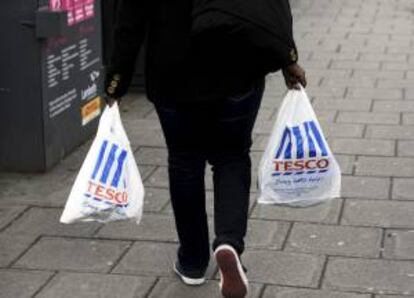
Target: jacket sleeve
(128, 36)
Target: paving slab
(80, 255)
(346, 163)
(326, 213)
(266, 234)
(393, 296)
(156, 199)
(159, 179)
(405, 148)
(281, 292)
(21, 283)
(31, 189)
(342, 130)
(45, 222)
(153, 227)
(395, 132)
(366, 187)
(399, 244)
(90, 285)
(12, 246)
(370, 276)
(403, 189)
(342, 105)
(369, 117)
(335, 240)
(140, 137)
(326, 116)
(146, 171)
(363, 147)
(385, 166)
(408, 118)
(151, 259)
(168, 288)
(210, 203)
(8, 213)
(151, 156)
(393, 106)
(283, 268)
(53, 198)
(375, 93)
(378, 213)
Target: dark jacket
(175, 70)
(263, 28)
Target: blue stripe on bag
(286, 134)
(100, 159)
(299, 142)
(298, 173)
(318, 137)
(109, 163)
(311, 144)
(118, 173)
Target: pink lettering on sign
(78, 10)
(89, 8)
(68, 6)
(55, 5)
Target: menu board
(72, 66)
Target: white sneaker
(233, 280)
(189, 278)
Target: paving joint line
(16, 218)
(382, 243)
(391, 191)
(151, 289)
(354, 167)
(30, 246)
(288, 234)
(323, 272)
(42, 287)
(121, 256)
(341, 212)
(262, 291)
(126, 240)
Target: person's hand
(115, 87)
(294, 75)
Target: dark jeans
(218, 133)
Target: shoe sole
(189, 281)
(232, 283)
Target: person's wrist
(116, 84)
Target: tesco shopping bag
(298, 167)
(108, 186)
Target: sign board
(72, 73)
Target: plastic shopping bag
(108, 186)
(298, 167)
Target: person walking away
(207, 106)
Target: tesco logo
(109, 194)
(302, 149)
(107, 182)
(301, 165)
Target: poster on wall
(72, 67)
(72, 77)
(78, 10)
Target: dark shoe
(189, 277)
(233, 280)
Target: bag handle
(111, 123)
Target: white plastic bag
(298, 167)
(108, 186)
